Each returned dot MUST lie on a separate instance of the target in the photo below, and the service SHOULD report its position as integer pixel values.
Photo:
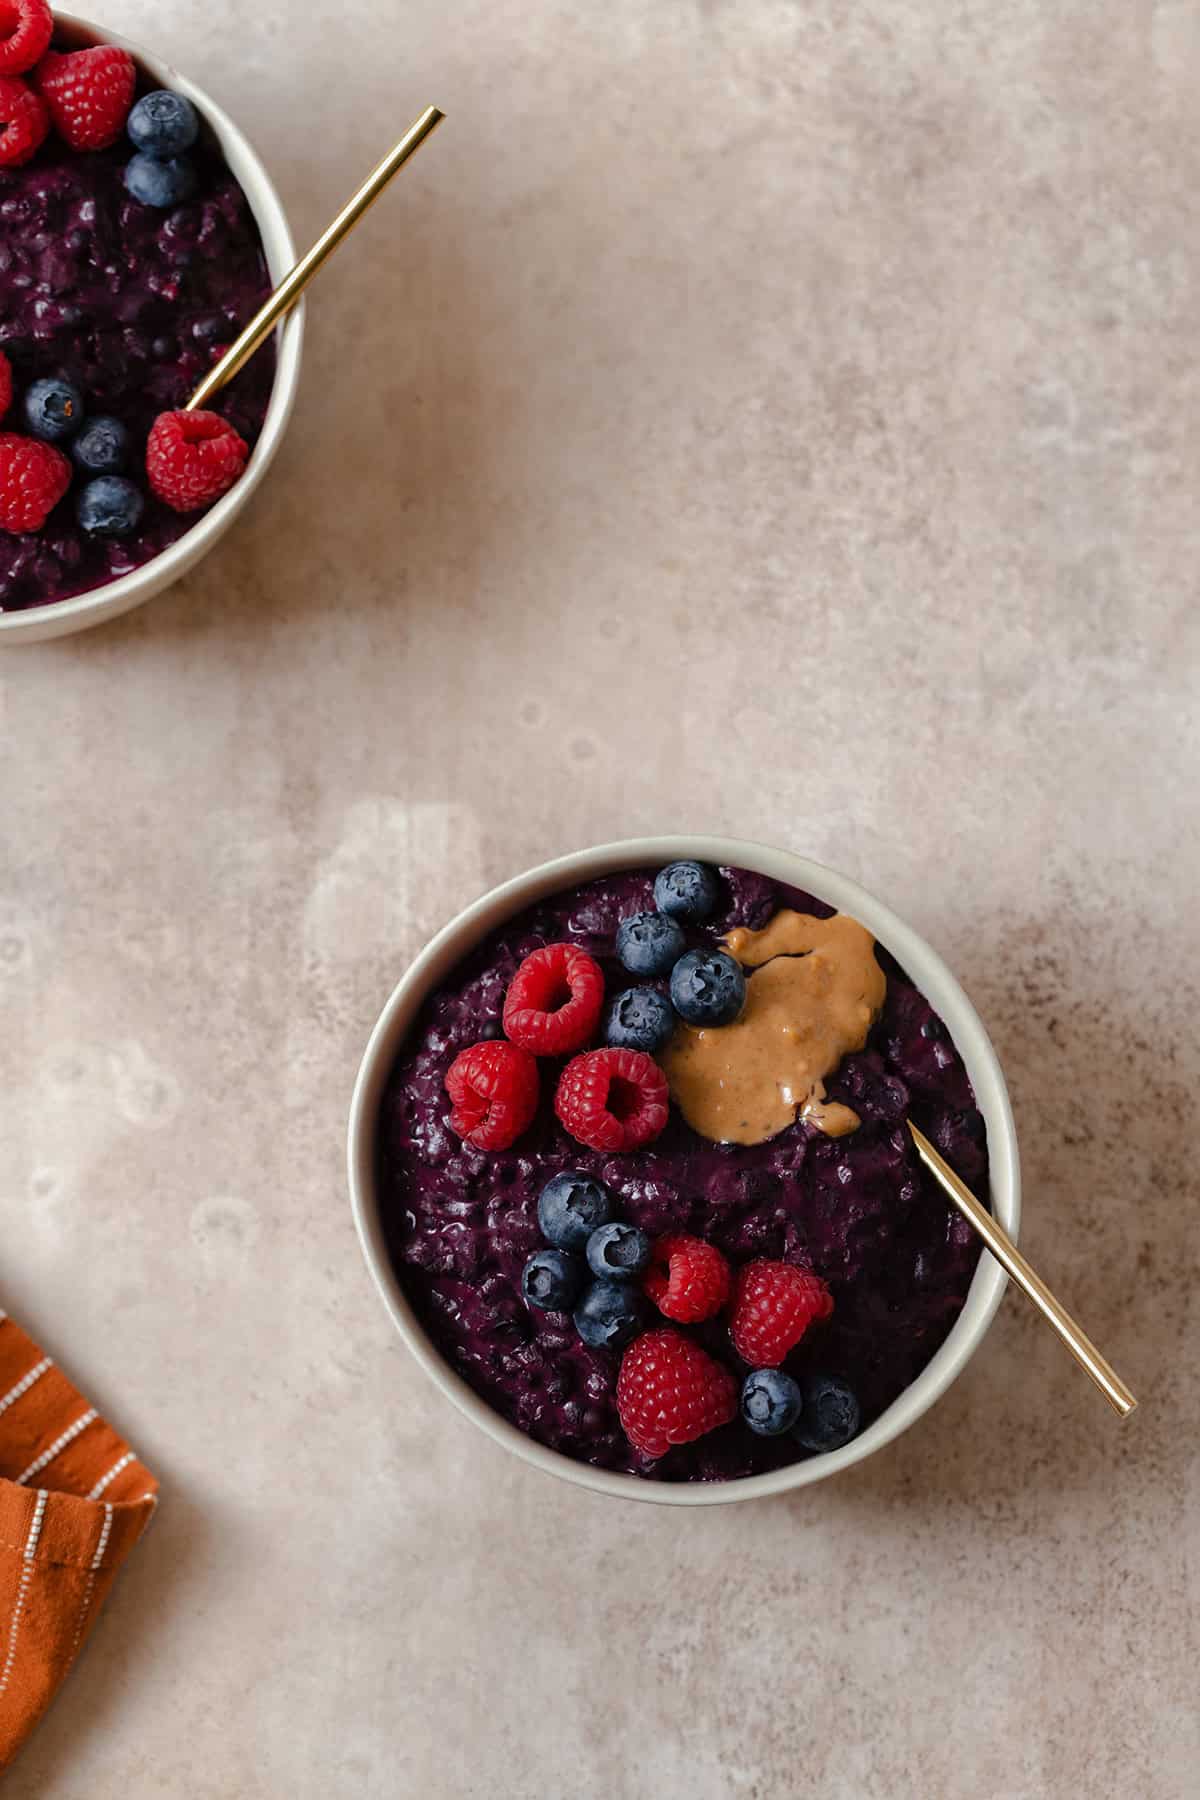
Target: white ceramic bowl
(931, 976)
(63, 616)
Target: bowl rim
(58, 618)
(919, 960)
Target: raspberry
(24, 122)
(89, 93)
(553, 1002)
(494, 1087)
(192, 458)
(773, 1305)
(688, 1280)
(670, 1391)
(612, 1099)
(5, 385)
(33, 479)
(26, 27)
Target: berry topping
(687, 890)
(688, 1280)
(648, 943)
(26, 27)
(102, 446)
(554, 1000)
(571, 1206)
(24, 122)
(670, 1391)
(6, 385)
(163, 124)
(54, 409)
(610, 1315)
(772, 1307)
(771, 1402)
(110, 506)
(89, 93)
(551, 1280)
(708, 988)
(33, 479)
(494, 1088)
(160, 184)
(831, 1414)
(192, 458)
(612, 1099)
(639, 1019)
(618, 1252)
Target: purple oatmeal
(132, 305)
(857, 1209)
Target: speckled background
(778, 418)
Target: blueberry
(771, 1402)
(708, 988)
(687, 890)
(54, 409)
(490, 1030)
(648, 943)
(110, 506)
(933, 1029)
(618, 1252)
(571, 1206)
(609, 1315)
(160, 184)
(972, 1122)
(551, 1280)
(162, 123)
(102, 447)
(831, 1414)
(639, 1019)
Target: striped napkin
(74, 1500)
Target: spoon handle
(1030, 1284)
(293, 284)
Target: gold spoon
(293, 284)
(1030, 1284)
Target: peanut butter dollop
(816, 995)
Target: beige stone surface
(775, 417)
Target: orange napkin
(74, 1500)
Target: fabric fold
(74, 1500)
